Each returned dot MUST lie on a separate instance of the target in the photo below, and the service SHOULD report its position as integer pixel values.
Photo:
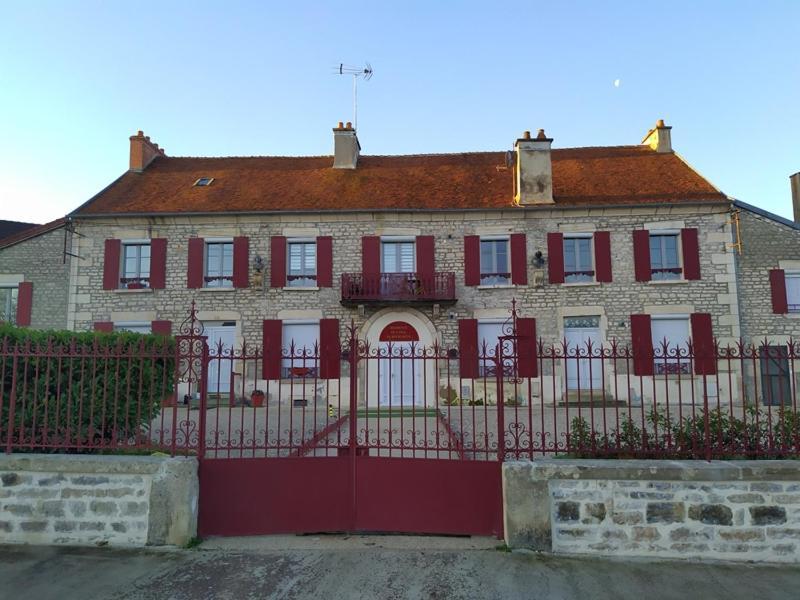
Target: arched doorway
(400, 368)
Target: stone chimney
(659, 138)
(794, 180)
(345, 147)
(143, 151)
(534, 170)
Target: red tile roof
(581, 176)
(31, 232)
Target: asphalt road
(368, 567)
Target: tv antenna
(364, 73)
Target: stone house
(598, 244)
(34, 276)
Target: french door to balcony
(398, 257)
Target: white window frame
(11, 303)
(306, 278)
(486, 366)
(304, 362)
(665, 275)
(579, 275)
(671, 364)
(494, 277)
(137, 279)
(222, 280)
(398, 240)
(792, 300)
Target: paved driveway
(368, 567)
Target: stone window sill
(667, 281)
(134, 291)
(508, 286)
(216, 289)
(581, 284)
(300, 288)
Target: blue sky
(252, 78)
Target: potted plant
(257, 398)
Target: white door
(583, 373)
(400, 375)
(220, 336)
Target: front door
(221, 337)
(583, 372)
(400, 371)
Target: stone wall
(614, 302)
(766, 244)
(738, 510)
(79, 500)
(40, 260)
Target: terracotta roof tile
(31, 232)
(612, 175)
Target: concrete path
(369, 567)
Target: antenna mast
(365, 73)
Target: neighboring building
(34, 276)
(9, 228)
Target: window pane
(407, 257)
(501, 251)
(674, 331)
(295, 259)
(8, 305)
(584, 254)
(390, 261)
(793, 291)
(655, 252)
(299, 340)
(489, 333)
(570, 263)
(227, 255)
(310, 258)
(487, 257)
(670, 257)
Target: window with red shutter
(690, 247)
(194, 273)
(371, 255)
(24, 303)
(703, 348)
(527, 356)
(272, 344)
(468, 348)
(777, 284)
(241, 262)
(602, 256)
(158, 263)
(330, 349)
(641, 254)
(111, 264)
(472, 260)
(324, 261)
(519, 259)
(277, 261)
(426, 258)
(555, 257)
(642, 345)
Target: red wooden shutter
(555, 257)
(325, 261)
(705, 361)
(104, 326)
(161, 327)
(330, 351)
(519, 259)
(602, 256)
(24, 303)
(777, 284)
(277, 261)
(111, 265)
(426, 257)
(691, 254)
(642, 342)
(158, 263)
(241, 262)
(468, 348)
(272, 346)
(641, 254)
(194, 274)
(371, 255)
(472, 260)
(527, 358)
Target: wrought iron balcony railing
(359, 288)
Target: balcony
(393, 288)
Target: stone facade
(79, 500)
(614, 302)
(40, 260)
(718, 510)
(767, 243)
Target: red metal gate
(396, 442)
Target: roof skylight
(204, 181)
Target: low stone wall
(116, 500)
(730, 510)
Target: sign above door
(399, 331)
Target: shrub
(81, 391)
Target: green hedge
(82, 391)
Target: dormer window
(204, 181)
